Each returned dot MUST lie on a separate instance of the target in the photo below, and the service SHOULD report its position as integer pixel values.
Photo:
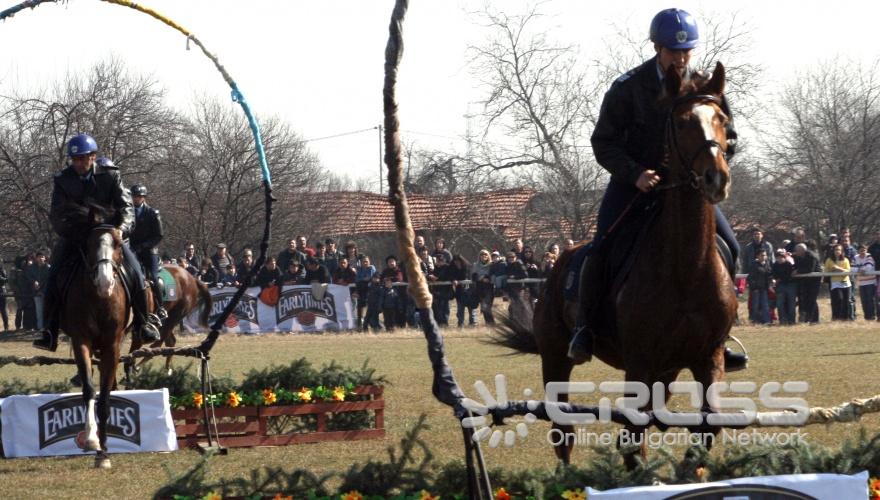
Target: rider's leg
(144, 323)
(733, 361)
(617, 197)
(51, 299)
(153, 261)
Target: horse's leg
(556, 367)
(109, 363)
(707, 374)
(82, 353)
(170, 341)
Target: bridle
(93, 270)
(690, 177)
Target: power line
(343, 134)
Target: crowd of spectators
(779, 293)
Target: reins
(690, 177)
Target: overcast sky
(318, 64)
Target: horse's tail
(205, 302)
(515, 329)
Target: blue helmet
(674, 29)
(81, 144)
(103, 161)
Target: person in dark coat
(81, 182)
(390, 304)
(807, 261)
(375, 295)
(4, 279)
(444, 273)
(144, 241)
(269, 275)
(290, 253)
(315, 272)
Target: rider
(144, 241)
(83, 180)
(628, 141)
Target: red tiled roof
(358, 212)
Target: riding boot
(735, 361)
(49, 339)
(145, 323)
(157, 287)
(580, 349)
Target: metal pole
(381, 163)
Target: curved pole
(238, 97)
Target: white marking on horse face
(104, 278)
(706, 113)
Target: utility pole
(381, 166)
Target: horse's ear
(673, 82)
(716, 84)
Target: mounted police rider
(83, 180)
(144, 242)
(629, 141)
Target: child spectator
(759, 281)
(363, 275)
(786, 288)
(294, 273)
(840, 285)
(230, 277)
(375, 294)
(390, 304)
(269, 275)
(207, 274)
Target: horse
(191, 293)
(94, 314)
(677, 305)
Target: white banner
(793, 486)
(52, 424)
(295, 309)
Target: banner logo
(246, 310)
(64, 418)
(299, 303)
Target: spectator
(518, 248)
(247, 259)
(833, 240)
(246, 267)
(221, 258)
(331, 255)
(230, 277)
(850, 252)
(840, 285)
(4, 279)
(807, 261)
(390, 304)
(786, 288)
(191, 257)
(207, 273)
(750, 251)
(547, 264)
(364, 275)
(874, 248)
(426, 259)
(351, 252)
(465, 295)
(533, 270)
(294, 274)
(302, 247)
(406, 308)
(419, 244)
(183, 262)
(568, 245)
(440, 248)
(269, 275)
(554, 249)
(442, 293)
(344, 274)
(315, 272)
(515, 270)
(799, 236)
(759, 283)
(481, 274)
(864, 263)
(321, 254)
(24, 295)
(374, 295)
(38, 277)
(290, 253)
(498, 272)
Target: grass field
(838, 360)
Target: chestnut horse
(94, 314)
(677, 306)
(191, 293)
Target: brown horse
(95, 313)
(191, 293)
(677, 306)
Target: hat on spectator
(221, 245)
(495, 253)
(780, 251)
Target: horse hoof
(92, 445)
(102, 462)
(170, 372)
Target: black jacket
(147, 231)
(630, 133)
(103, 186)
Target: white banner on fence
(794, 486)
(298, 309)
(52, 424)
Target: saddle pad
(169, 292)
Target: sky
(319, 64)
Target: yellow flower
(424, 495)
(351, 495)
(213, 496)
(269, 397)
(233, 400)
(305, 395)
(576, 494)
(339, 394)
(502, 494)
(198, 399)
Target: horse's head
(103, 249)
(696, 135)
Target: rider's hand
(647, 181)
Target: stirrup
(154, 320)
(149, 332)
(735, 361)
(161, 313)
(48, 342)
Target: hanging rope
(205, 347)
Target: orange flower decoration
(502, 494)
(425, 495)
(339, 394)
(874, 488)
(305, 395)
(279, 496)
(351, 495)
(269, 397)
(233, 400)
(198, 399)
(213, 496)
(576, 494)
